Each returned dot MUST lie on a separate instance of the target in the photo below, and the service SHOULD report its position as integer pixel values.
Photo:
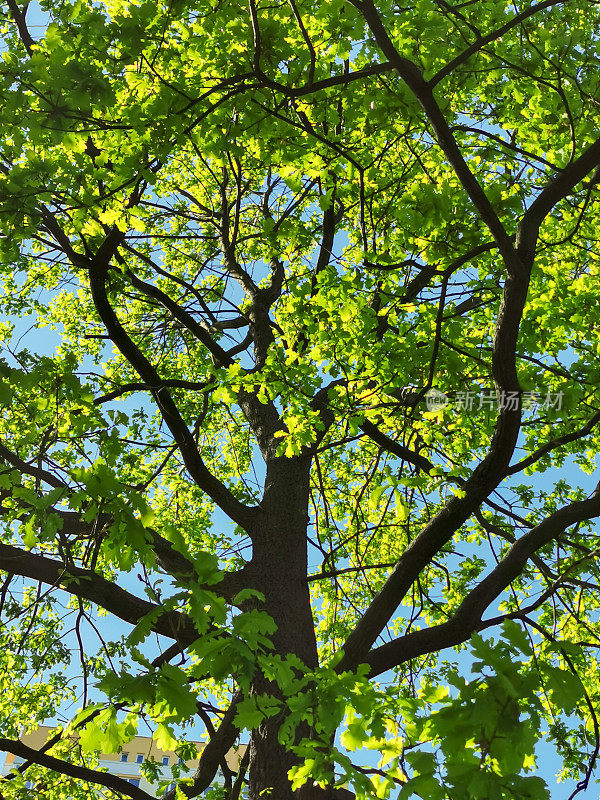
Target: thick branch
(217, 747)
(27, 469)
(557, 190)
(90, 586)
(330, 220)
(176, 564)
(311, 86)
(484, 480)
(413, 78)
(493, 467)
(553, 444)
(21, 23)
(112, 782)
(182, 316)
(336, 80)
(53, 740)
(216, 490)
(139, 386)
(397, 449)
(168, 558)
(322, 404)
(468, 616)
(488, 38)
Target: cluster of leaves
(291, 254)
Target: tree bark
(279, 566)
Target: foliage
(310, 396)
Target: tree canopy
(304, 441)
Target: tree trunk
(279, 567)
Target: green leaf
(164, 737)
(30, 537)
(567, 690)
(354, 736)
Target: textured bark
(280, 565)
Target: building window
(124, 756)
(134, 781)
(165, 761)
(139, 759)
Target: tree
(321, 426)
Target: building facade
(127, 763)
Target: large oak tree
(267, 236)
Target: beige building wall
(126, 764)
